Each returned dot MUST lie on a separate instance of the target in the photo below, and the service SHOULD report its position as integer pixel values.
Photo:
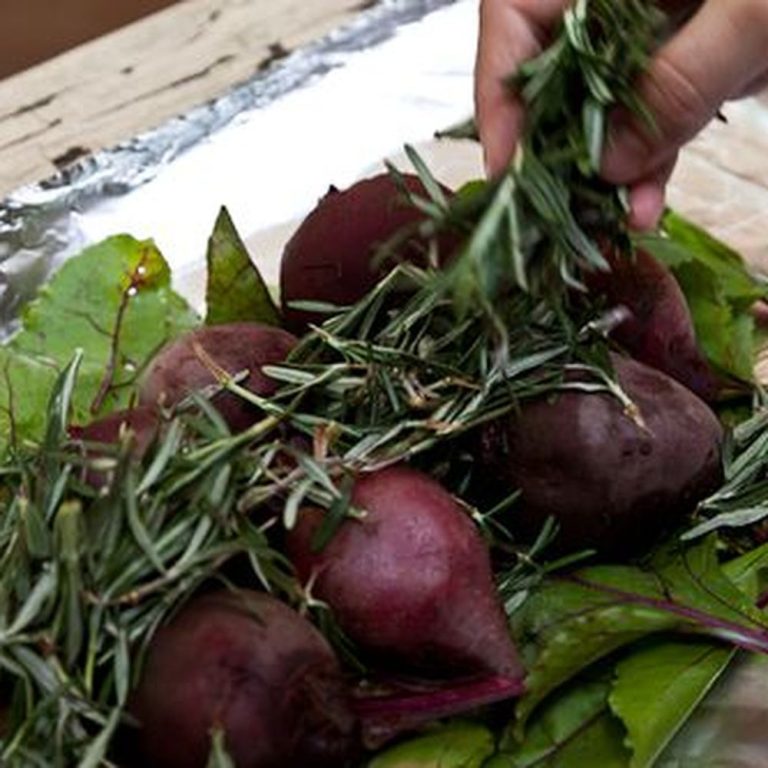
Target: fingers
(716, 56)
(647, 198)
(760, 83)
(719, 54)
(511, 31)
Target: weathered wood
(35, 30)
(118, 85)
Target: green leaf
(725, 332)
(659, 687)
(114, 302)
(25, 388)
(736, 281)
(82, 304)
(219, 757)
(728, 729)
(457, 745)
(570, 622)
(236, 290)
(748, 572)
(574, 729)
(719, 289)
(656, 689)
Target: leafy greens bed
(493, 311)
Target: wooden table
(125, 82)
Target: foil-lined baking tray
(328, 114)
(267, 150)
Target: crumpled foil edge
(37, 227)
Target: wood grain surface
(128, 81)
(35, 30)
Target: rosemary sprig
(539, 225)
(87, 578)
(739, 508)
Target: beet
(179, 370)
(142, 423)
(411, 582)
(610, 482)
(248, 664)
(330, 257)
(659, 330)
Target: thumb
(715, 56)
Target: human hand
(720, 53)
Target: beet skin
(330, 257)
(659, 330)
(612, 480)
(179, 368)
(411, 581)
(141, 424)
(248, 664)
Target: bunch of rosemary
(86, 579)
(537, 227)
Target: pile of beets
(410, 582)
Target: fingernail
(647, 206)
(493, 162)
(486, 163)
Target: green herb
(659, 686)
(235, 290)
(219, 758)
(742, 501)
(114, 302)
(572, 621)
(538, 226)
(573, 729)
(719, 289)
(86, 580)
(456, 745)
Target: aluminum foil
(267, 149)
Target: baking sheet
(267, 149)
(327, 115)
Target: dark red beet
(610, 482)
(411, 583)
(141, 424)
(659, 330)
(330, 257)
(248, 664)
(179, 368)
